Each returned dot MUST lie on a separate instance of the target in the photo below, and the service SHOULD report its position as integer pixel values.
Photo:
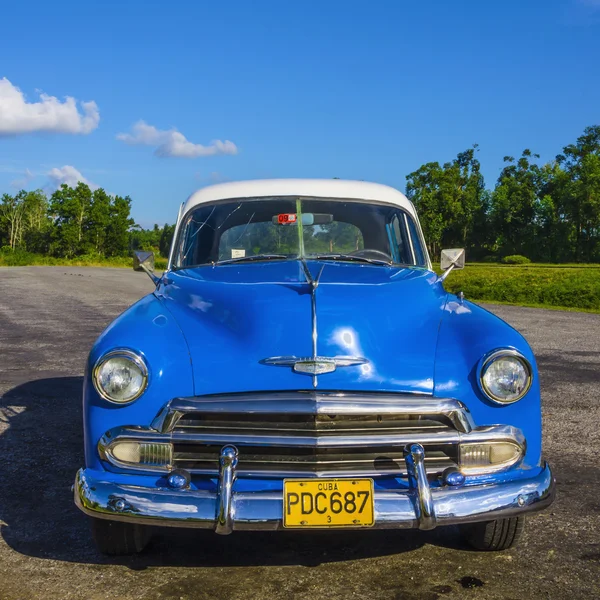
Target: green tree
(37, 224)
(424, 189)
(119, 226)
(166, 238)
(70, 208)
(97, 222)
(514, 206)
(12, 218)
(581, 193)
(553, 236)
(452, 202)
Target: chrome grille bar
(310, 462)
(307, 433)
(315, 403)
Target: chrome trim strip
(417, 222)
(399, 472)
(173, 250)
(313, 283)
(304, 441)
(480, 434)
(424, 507)
(227, 464)
(410, 240)
(264, 510)
(313, 402)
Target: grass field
(570, 287)
(24, 259)
(573, 287)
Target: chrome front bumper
(417, 507)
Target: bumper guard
(417, 507)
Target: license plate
(328, 503)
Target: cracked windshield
(288, 228)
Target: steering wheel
(371, 253)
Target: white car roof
(320, 188)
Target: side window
(399, 241)
(416, 241)
(187, 242)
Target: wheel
(115, 538)
(493, 535)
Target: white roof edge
(325, 188)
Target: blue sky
(357, 90)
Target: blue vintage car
(300, 365)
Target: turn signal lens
(489, 456)
(154, 454)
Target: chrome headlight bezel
(136, 358)
(491, 357)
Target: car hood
(236, 316)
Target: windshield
(288, 228)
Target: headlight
(120, 376)
(505, 376)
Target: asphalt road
(49, 318)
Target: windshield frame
(176, 247)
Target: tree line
(74, 222)
(546, 213)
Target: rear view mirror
(321, 219)
(307, 219)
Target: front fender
(148, 328)
(467, 333)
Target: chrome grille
(313, 433)
(290, 461)
(308, 424)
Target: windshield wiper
(349, 257)
(251, 258)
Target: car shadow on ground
(41, 447)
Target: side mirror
(144, 261)
(453, 258)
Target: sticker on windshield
(287, 218)
(238, 253)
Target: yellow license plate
(328, 503)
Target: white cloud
(21, 182)
(17, 116)
(173, 143)
(69, 175)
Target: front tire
(493, 536)
(118, 539)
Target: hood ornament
(317, 365)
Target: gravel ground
(50, 316)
